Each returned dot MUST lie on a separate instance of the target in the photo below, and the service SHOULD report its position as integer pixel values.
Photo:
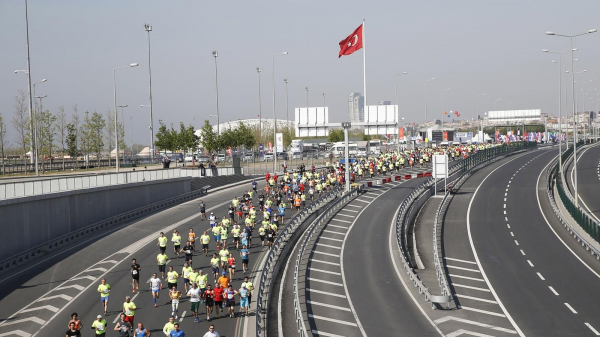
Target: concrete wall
(28, 222)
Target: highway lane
(542, 284)
(588, 176)
(127, 242)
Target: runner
(216, 230)
(230, 296)
(75, 321)
(73, 332)
(224, 232)
(235, 231)
(250, 287)
(231, 264)
(175, 295)
(123, 327)
(209, 298)
(172, 277)
(205, 241)
(211, 332)
(162, 242)
(202, 281)
(129, 310)
(262, 232)
(155, 286)
(100, 326)
(185, 271)
(218, 292)
(214, 264)
(135, 275)
(188, 249)
(176, 239)
(244, 304)
(224, 253)
(202, 211)
(192, 239)
(194, 294)
(141, 331)
(270, 236)
(170, 326)
(162, 259)
(212, 218)
(224, 280)
(245, 254)
(176, 332)
(104, 290)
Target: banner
(400, 133)
(261, 149)
(270, 147)
(279, 144)
(445, 135)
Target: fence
(272, 264)
(309, 233)
(485, 154)
(16, 166)
(12, 190)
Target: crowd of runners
(227, 239)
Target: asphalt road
(542, 283)
(588, 177)
(42, 297)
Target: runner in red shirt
(218, 293)
(268, 176)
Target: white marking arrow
(462, 320)
(98, 269)
(47, 307)
(108, 261)
(28, 319)
(64, 297)
(16, 332)
(75, 286)
(467, 332)
(91, 278)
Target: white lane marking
(466, 321)
(89, 277)
(469, 287)
(531, 264)
(349, 210)
(516, 242)
(108, 261)
(592, 328)
(507, 190)
(504, 205)
(346, 215)
(537, 193)
(323, 281)
(367, 202)
(15, 332)
(324, 271)
(570, 308)
(554, 291)
(328, 254)
(522, 252)
(506, 218)
(354, 205)
(468, 278)
(340, 220)
(540, 275)
(325, 292)
(328, 305)
(511, 233)
(332, 239)
(332, 232)
(459, 260)
(28, 319)
(64, 297)
(504, 212)
(74, 286)
(336, 226)
(46, 307)
(487, 281)
(325, 262)
(366, 196)
(461, 268)
(476, 298)
(504, 199)
(326, 334)
(505, 194)
(182, 316)
(98, 269)
(508, 226)
(482, 311)
(328, 246)
(460, 332)
(331, 320)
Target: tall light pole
(287, 101)
(396, 88)
(425, 95)
(559, 104)
(34, 126)
(443, 112)
(307, 105)
(131, 134)
(259, 108)
(31, 148)
(574, 112)
(149, 29)
(323, 99)
(116, 113)
(275, 114)
(215, 54)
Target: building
(385, 103)
(266, 123)
(356, 107)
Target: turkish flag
(352, 43)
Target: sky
(473, 47)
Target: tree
(46, 134)
(61, 127)
(71, 140)
(336, 135)
(244, 136)
(164, 139)
(3, 142)
(76, 122)
(93, 128)
(20, 119)
(110, 132)
(209, 138)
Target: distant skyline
(491, 47)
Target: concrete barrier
(419, 175)
(397, 178)
(427, 174)
(407, 176)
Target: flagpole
(364, 70)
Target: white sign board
(440, 166)
(279, 144)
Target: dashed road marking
(331, 320)
(531, 264)
(325, 292)
(467, 278)
(328, 305)
(571, 308)
(540, 275)
(554, 291)
(483, 311)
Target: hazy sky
(473, 47)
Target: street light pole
(287, 101)
(425, 95)
(574, 109)
(35, 133)
(259, 108)
(215, 54)
(443, 112)
(116, 113)
(149, 29)
(31, 148)
(396, 89)
(275, 114)
(34, 149)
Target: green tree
(93, 127)
(245, 136)
(164, 140)
(209, 138)
(3, 142)
(71, 141)
(110, 132)
(61, 128)
(46, 134)
(336, 135)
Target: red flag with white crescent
(352, 43)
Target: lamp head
(284, 53)
(285, 80)
(592, 31)
(44, 80)
(148, 27)
(549, 33)
(257, 70)
(134, 65)
(545, 50)
(215, 54)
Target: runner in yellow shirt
(104, 290)
(162, 242)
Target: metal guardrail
(550, 178)
(308, 235)
(265, 284)
(12, 190)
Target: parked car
(203, 158)
(282, 156)
(268, 156)
(220, 157)
(189, 158)
(297, 155)
(249, 157)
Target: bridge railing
(11, 190)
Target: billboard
(310, 122)
(279, 143)
(381, 119)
